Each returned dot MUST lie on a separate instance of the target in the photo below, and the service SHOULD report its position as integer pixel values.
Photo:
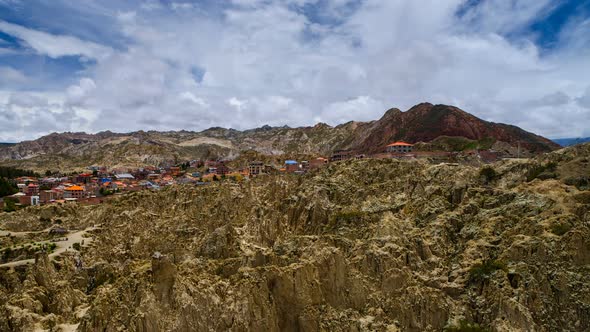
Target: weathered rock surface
(369, 245)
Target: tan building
(256, 167)
(400, 147)
(340, 155)
(76, 192)
(47, 196)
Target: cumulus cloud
(584, 100)
(55, 46)
(22, 113)
(11, 77)
(245, 63)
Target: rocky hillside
(366, 245)
(422, 123)
(426, 122)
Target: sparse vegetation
(542, 172)
(583, 198)
(580, 182)
(560, 228)
(105, 192)
(483, 271)
(348, 216)
(9, 205)
(465, 326)
(488, 174)
(51, 247)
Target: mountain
(571, 141)
(366, 245)
(426, 122)
(433, 126)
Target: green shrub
(348, 216)
(580, 182)
(560, 229)
(465, 326)
(9, 205)
(76, 246)
(488, 174)
(542, 172)
(583, 198)
(482, 271)
(7, 252)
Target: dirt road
(62, 246)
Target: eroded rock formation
(369, 245)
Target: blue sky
(171, 65)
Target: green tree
(9, 205)
(11, 172)
(44, 187)
(7, 188)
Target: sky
(127, 65)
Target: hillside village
(98, 183)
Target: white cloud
(365, 107)
(55, 46)
(584, 100)
(266, 62)
(10, 76)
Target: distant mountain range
(571, 141)
(431, 127)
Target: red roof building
(400, 147)
(32, 190)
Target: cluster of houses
(98, 183)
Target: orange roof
(400, 143)
(75, 188)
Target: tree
(215, 178)
(11, 172)
(7, 188)
(9, 205)
(48, 173)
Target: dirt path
(22, 234)
(62, 246)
